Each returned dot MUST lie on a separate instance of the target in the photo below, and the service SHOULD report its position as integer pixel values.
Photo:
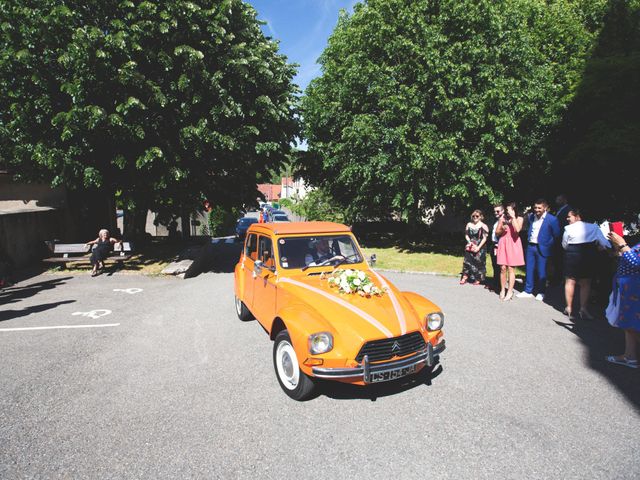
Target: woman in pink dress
(510, 253)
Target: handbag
(613, 308)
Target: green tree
(596, 148)
(157, 102)
(423, 102)
(318, 205)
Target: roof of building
(270, 191)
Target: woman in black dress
(474, 266)
(104, 245)
(580, 241)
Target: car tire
(242, 311)
(292, 380)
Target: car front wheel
(242, 311)
(285, 361)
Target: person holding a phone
(510, 254)
(580, 242)
(498, 212)
(623, 310)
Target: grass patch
(398, 258)
(394, 258)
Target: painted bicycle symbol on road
(130, 291)
(101, 312)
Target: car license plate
(389, 375)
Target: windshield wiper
(322, 263)
(344, 259)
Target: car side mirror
(257, 266)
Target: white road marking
(128, 290)
(58, 327)
(94, 313)
(395, 303)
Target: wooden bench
(64, 253)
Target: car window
(250, 249)
(265, 252)
(298, 252)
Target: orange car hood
(361, 318)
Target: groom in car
(321, 253)
(543, 235)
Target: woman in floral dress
(474, 266)
(624, 305)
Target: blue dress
(626, 290)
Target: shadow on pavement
(11, 314)
(344, 391)
(216, 257)
(600, 340)
(17, 293)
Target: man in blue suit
(543, 234)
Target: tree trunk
(185, 218)
(135, 221)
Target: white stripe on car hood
(342, 303)
(395, 302)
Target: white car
(280, 217)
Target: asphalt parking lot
(127, 376)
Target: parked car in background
(328, 313)
(243, 224)
(280, 217)
(278, 212)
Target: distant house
(289, 188)
(270, 192)
(293, 188)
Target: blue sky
(303, 27)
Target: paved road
(180, 388)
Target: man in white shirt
(543, 235)
(321, 253)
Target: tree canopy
(596, 148)
(160, 102)
(427, 102)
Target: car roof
(289, 228)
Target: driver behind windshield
(321, 253)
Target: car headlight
(435, 321)
(320, 342)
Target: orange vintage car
(330, 315)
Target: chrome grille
(379, 350)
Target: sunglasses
(475, 216)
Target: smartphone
(617, 227)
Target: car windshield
(245, 221)
(282, 218)
(299, 252)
